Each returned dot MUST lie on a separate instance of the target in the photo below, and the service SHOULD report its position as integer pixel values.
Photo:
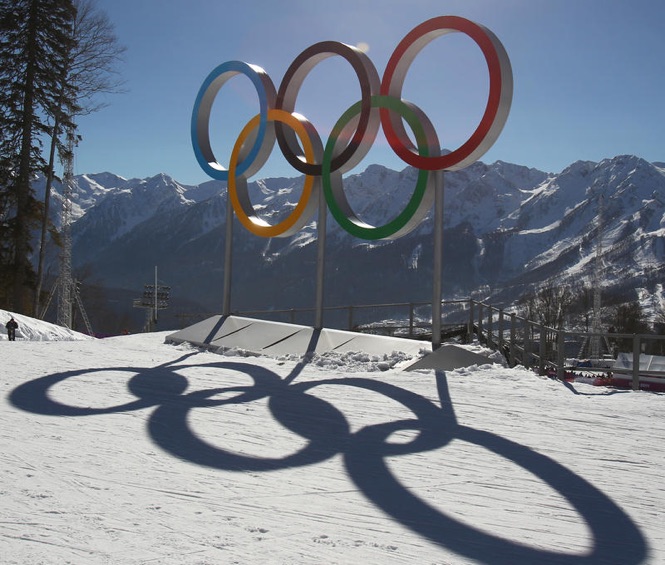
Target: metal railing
(406, 319)
(522, 341)
(534, 345)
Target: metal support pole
(411, 315)
(636, 362)
(542, 349)
(470, 328)
(526, 330)
(561, 355)
(438, 259)
(228, 257)
(490, 327)
(154, 315)
(513, 362)
(501, 328)
(480, 322)
(320, 258)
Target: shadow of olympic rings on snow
(616, 539)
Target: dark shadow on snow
(616, 538)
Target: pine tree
(35, 39)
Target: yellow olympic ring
(309, 199)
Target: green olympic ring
(423, 195)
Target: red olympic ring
(498, 102)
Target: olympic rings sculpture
(380, 105)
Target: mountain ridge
(509, 229)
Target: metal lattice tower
(68, 292)
(65, 281)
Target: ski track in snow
(148, 483)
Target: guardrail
(532, 344)
(407, 319)
(522, 341)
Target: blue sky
(588, 78)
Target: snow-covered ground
(130, 451)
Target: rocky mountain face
(509, 229)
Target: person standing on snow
(11, 326)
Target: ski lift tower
(155, 297)
(597, 268)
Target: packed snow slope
(131, 451)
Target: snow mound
(31, 329)
(350, 361)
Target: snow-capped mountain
(508, 230)
(614, 208)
